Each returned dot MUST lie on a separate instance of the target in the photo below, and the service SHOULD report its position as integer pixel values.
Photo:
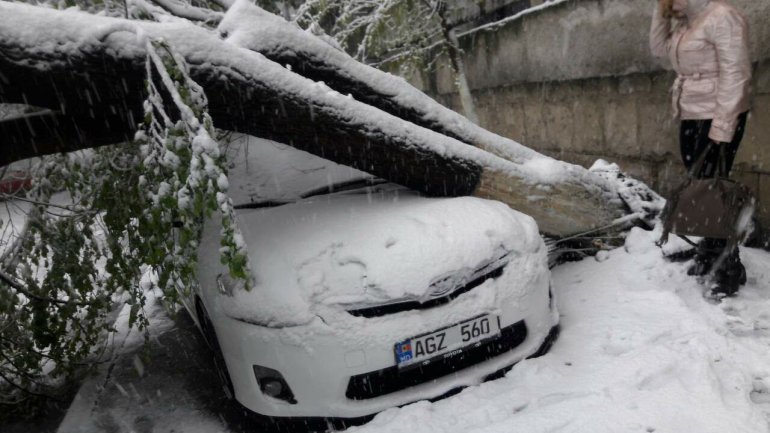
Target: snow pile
(640, 351)
(639, 197)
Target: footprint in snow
(760, 394)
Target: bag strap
(721, 169)
(666, 218)
(722, 163)
(696, 168)
(732, 243)
(686, 239)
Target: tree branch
(11, 282)
(26, 391)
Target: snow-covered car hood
(369, 247)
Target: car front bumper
(318, 360)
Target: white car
(367, 296)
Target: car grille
(382, 382)
(384, 310)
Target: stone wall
(576, 81)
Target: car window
(263, 171)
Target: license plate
(448, 341)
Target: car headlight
(272, 384)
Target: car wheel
(219, 360)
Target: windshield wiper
(261, 204)
(347, 185)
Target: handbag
(716, 207)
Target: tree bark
(458, 65)
(96, 91)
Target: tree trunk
(461, 80)
(94, 83)
(458, 66)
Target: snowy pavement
(165, 385)
(641, 350)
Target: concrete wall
(576, 81)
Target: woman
(707, 43)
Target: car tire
(210, 337)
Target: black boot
(707, 253)
(702, 265)
(725, 285)
(740, 271)
(729, 277)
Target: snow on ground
(640, 351)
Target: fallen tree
(90, 73)
(249, 26)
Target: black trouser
(694, 140)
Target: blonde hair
(666, 8)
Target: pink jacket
(709, 49)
